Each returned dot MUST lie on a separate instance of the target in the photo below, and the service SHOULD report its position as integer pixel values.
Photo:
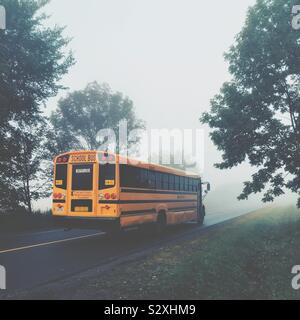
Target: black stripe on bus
(156, 191)
(182, 209)
(144, 201)
(137, 212)
(59, 201)
(147, 211)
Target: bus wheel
(201, 216)
(161, 222)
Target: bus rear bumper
(104, 224)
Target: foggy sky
(167, 56)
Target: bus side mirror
(208, 187)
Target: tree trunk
(28, 197)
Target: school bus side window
(158, 177)
(151, 179)
(171, 182)
(190, 184)
(186, 184)
(144, 178)
(181, 183)
(195, 185)
(130, 176)
(165, 181)
(177, 183)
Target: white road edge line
(51, 242)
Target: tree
(256, 116)
(32, 61)
(29, 163)
(82, 114)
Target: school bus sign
(87, 157)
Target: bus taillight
(57, 195)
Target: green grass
(250, 258)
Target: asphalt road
(37, 258)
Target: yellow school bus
(94, 189)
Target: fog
(167, 56)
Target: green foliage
(256, 116)
(82, 114)
(32, 61)
(29, 163)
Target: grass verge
(251, 258)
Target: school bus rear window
(82, 177)
(61, 172)
(107, 176)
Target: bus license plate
(81, 209)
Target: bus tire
(161, 222)
(201, 216)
